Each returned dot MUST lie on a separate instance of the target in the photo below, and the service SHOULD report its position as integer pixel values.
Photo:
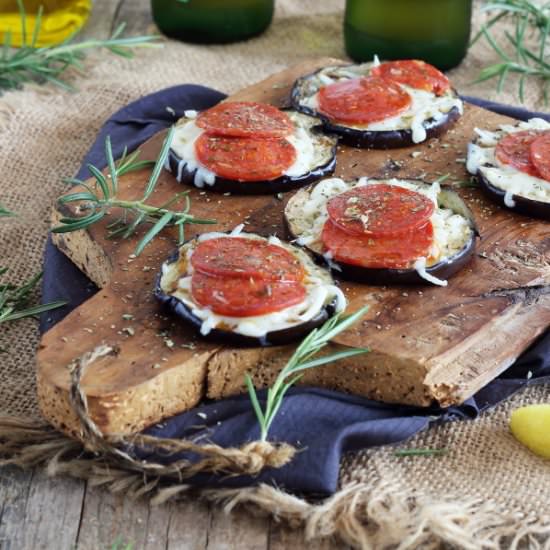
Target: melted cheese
(482, 159)
(451, 230)
(424, 105)
(309, 155)
(320, 291)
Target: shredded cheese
(320, 291)
(482, 159)
(312, 150)
(424, 105)
(452, 231)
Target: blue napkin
(323, 423)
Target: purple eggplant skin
(383, 276)
(265, 187)
(372, 139)
(275, 338)
(525, 206)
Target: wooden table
(37, 512)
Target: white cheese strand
(420, 268)
(320, 291)
(482, 158)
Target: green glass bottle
(436, 31)
(212, 21)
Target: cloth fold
(324, 424)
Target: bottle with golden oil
(60, 19)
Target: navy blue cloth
(322, 423)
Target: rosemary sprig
(531, 23)
(301, 360)
(31, 64)
(97, 201)
(5, 213)
(14, 300)
(420, 452)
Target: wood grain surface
(427, 343)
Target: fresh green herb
(420, 452)
(14, 300)
(119, 544)
(471, 182)
(96, 201)
(301, 360)
(31, 64)
(5, 213)
(528, 43)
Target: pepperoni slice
(540, 155)
(238, 297)
(379, 210)
(414, 73)
(378, 252)
(363, 100)
(245, 119)
(245, 159)
(245, 258)
(515, 149)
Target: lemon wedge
(530, 425)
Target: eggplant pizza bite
(384, 231)
(512, 165)
(247, 289)
(380, 105)
(250, 148)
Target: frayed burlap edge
(373, 514)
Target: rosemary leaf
(528, 43)
(301, 360)
(5, 213)
(153, 232)
(47, 64)
(420, 452)
(14, 300)
(95, 204)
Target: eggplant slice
(433, 122)
(305, 215)
(494, 177)
(316, 152)
(180, 303)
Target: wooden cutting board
(429, 344)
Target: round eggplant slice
(179, 302)
(316, 158)
(493, 176)
(305, 215)
(437, 113)
(516, 203)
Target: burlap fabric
(43, 135)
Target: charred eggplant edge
(275, 338)
(382, 276)
(525, 206)
(374, 139)
(263, 187)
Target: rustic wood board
(428, 343)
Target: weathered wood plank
(100, 23)
(52, 509)
(237, 530)
(14, 491)
(283, 538)
(137, 16)
(108, 518)
(186, 524)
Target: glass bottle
(60, 19)
(436, 31)
(212, 21)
